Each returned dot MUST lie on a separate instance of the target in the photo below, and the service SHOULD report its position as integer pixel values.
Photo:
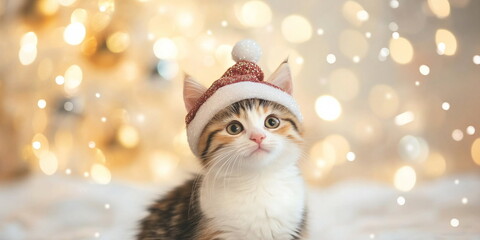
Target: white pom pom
(247, 50)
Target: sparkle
(356, 59)
(393, 26)
(107, 206)
(68, 106)
(368, 34)
(36, 145)
(457, 135)
(42, 103)
(141, 118)
(454, 222)
(362, 15)
(476, 59)
(103, 119)
(445, 106)
(470, 130)
(86, 174)
(464, 201)
(320, 31)
(224, 23)
(97, 235)
(97, 95)
(209, 32)
(456, 181)
(395, 35)
(372, 236)
(299, 60)
(441, 48)
(417, 83)
(351, 156)
(424, 70)
(401, 201)
(59, 80)
(331, 58)
(394, 3)
(91, 144)
(68, 171)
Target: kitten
(251, 187)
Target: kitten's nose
(257, 137)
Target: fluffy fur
(251, 186)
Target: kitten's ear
(192, 91)
(282, 77)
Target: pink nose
(257, 137)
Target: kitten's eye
(272, 122)
(234, 128)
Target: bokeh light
(165, 48)
(328, 108)
(100, 174)
(475, 151)
(74, 33)
(441, 8)
(401, 50)
(128, 136)
(48, 163)
(118, 42)
(449, 42)
(405, 178)
(255, 14)
(163, 164)
(296, 29)
(353, 44)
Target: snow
(66, 207)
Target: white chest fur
(263, 206)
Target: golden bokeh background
(93, 89)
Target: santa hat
(244, 80)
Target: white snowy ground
(62, 207)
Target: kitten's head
(251, 133)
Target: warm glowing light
(470, 130)
(28, 48)
(223, 54)
(401, 50)
(351, 156)
(405, 178)
(118, 42)
(457, 135)
(296, 29)
(393, 26)
(48, 7)
(341, 146)
(476, 59)
(448, 40)
(331, 59)
(107, 206)
(66, 3)
(320, 31)
(100, 174)
(48, 163)
(454, 222)
(74, 33)
(165, 48)
(328, 108)
(68, 106)
(344, 84)
(475, 151)
(128, 136)
(354, 13)
(106, 5)
(73, 78)
(383, 101)
(255, 14)
(464, 201)
(40, 145)
(441, 8)
(79, 15)
(362, 15)
(401, 201)
(68, 171)
(42, 103)
(424, 70)
(394, 4)
(163, 164)
(323, 155)
(435, 165)
(404, 118)
(445, 106)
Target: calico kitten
(251, 187)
